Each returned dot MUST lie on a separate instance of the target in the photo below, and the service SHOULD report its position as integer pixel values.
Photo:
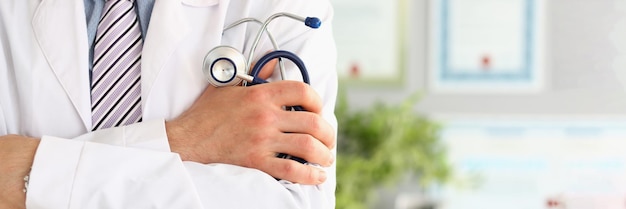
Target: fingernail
(322, 176)
(332, 159)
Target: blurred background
(481, 103)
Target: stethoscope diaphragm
(222, 64)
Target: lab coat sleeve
(78, 174)
(71, 173)
(134, 169)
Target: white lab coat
(44, 92)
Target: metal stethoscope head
(226, 66)
(222, 65)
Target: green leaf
(380, 144)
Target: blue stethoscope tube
(280, 54)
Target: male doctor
(179, 142)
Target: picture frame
(486, 46)
(371, 41)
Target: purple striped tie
(115, 80)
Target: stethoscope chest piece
(222, 64)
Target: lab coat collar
(168, 28)
(60, 31)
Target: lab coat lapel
(61, 32)
(166, 31)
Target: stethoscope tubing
(256, 70)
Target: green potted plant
(379, 145)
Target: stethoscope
(225, 66)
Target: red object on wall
(355, 70)
(553, 203)
(486, 62)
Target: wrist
(190, 144)
(17, 154)
(177, 137)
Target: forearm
(95, 175)
(80, 176)
(17, 154)
(134, 169)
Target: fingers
(309, 123)
(293, 171)
(306, 147)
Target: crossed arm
(210, 132)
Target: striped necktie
(115, 79)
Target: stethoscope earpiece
(222, 64)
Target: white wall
(586, 57)
(585, 61)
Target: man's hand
(247, 126)
(16, 154)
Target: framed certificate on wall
(486, 46)
(370, 37)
